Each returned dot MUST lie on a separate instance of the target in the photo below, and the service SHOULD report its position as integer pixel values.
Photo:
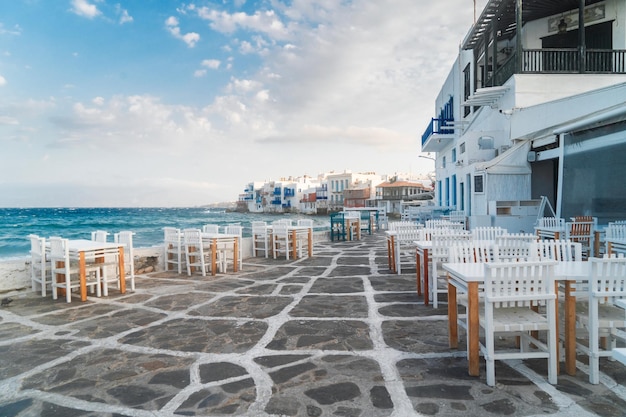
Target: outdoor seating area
(69, 267)
(334, 322)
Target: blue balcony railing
(290, 192)
(437, 125)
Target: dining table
(83, 249)
(215, 239)
(469, 278)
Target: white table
(213, 239)
(467, 277)
(421, 258)
(81, 249)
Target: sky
(158, 103)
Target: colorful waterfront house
(395, 194)
(534, 106)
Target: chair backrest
(581, 229)
(280, 230)
(444, 239)
(234, 229)
(37, 246)
(125, 237)
(516, 238)
(210, 228)
(551, 222)
(305, 222)
(513, 250)
(59, 249)
(287, 222)
(473, 252)
(558, 250)
(487, 233)
(172, 235)
(516, 284)
(616, 231)
(396, 225)
(258, 223)
(457, 216)
(99, 236)
(192, 237)
(607, 279)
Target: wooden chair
(487, 233)
(99, 236)
(558, 250)
(197, 256)
(261, 239)
(282, 242)
(442, 241)
(582, 229)
(511, 290)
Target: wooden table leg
(82, 276)
(570, 329)
(310, 239)
(393, 254)
(294, 244)
(473, 329)
(418, 272)
(389, 255)
(453, 329)
(425, 276)
(122, 271)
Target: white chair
(125, 237)
(441, 242)
(174, 251)
(511, 289)
(606, 287)
(196, 254)
(99, 236)
(234, 229)
(261, 238)
(65, 272)
(458, 216)
(303, 238)
(210, 228)
(39, 270)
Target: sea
(147, 223)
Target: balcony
(277, 191)
(276, 201)
(290, 192)
(438, 134)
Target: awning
(513, 161)
(486, 96)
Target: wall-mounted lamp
(562, 26)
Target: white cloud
(3, 81)
(199, 73)
(190, 38)
(17, 30)
(124, 16)
(265, 22)
(211, 63)
(85, 9)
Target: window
(453, 156)
(467, 89)
(478, 184)
(443, 162)
(462, 148)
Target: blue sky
(164, 103)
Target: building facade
(534, 106)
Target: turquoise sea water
(147, 223)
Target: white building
(535, 111)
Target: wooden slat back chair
(303, 238)
(458, 216)
(39, 267)
(470, 252)
(444, 224)
(511, 290)
(487, 233)
(353, 224)
(513, 249)
(174, 249)
(582, 229)
(197, 255)
(391, 235)
(606, 287)
(282, 243)
(65, 271)
(125, 237)
(615, 238)
(261, 239)
(227, 248)
(441, 242)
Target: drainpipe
(582, 47)
(518, 40)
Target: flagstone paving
(333, 335)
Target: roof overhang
(487, 96)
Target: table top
(475, 272)
(80, 245)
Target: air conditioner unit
(532, 156)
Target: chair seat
(516, 319)
(608, 316)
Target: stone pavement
(333, 335)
